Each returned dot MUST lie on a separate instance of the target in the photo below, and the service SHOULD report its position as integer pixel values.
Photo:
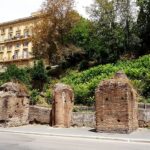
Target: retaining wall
(41, 115)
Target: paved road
(140, 135)
(11, 141)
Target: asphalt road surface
(11, 141)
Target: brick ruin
(116, 105)
(14, 105)
(63, 100)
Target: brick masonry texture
(14, 105)
(63, 100)
(15, 110)
(116, 105)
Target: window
(10, 35)
(10, 29)
(1, 56)
(26, 33)
(16, 55)
(2, 38)
(9, 55)
(18, 45)
(18, 34)
(25, 44)
(2, 48)
(9, 47)
(25, 53)
(3, 31)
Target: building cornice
(21, 20)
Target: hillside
(84, 83)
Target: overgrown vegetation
(39, 75)
(115, 30)
(84, 83)
(13, 73)
(35, 79)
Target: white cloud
(81, 6)
(14, 9)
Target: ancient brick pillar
(63, 100)
(116, 105)
(14, 105)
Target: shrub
(48, 96)
(55, 71)
(85, 82)
(39, 75)
(83, 65)
(34, 97)
(14, 73)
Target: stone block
(39, 115)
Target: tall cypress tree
(143, 24)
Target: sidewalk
(141, 135)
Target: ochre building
(15, 41)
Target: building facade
(15, 42)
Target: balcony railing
(16, 59)
(15, 38)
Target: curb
(129, 140)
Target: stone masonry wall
(41, 115)
(144, 115)
(81, 119)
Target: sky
(14, 9)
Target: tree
(80, 33)
(143, 26)
(56, 20)
(38, 75)
(113, 32)
(105, 33)
(127, 14)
